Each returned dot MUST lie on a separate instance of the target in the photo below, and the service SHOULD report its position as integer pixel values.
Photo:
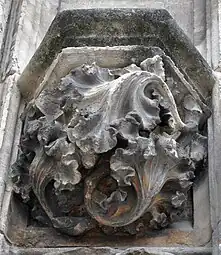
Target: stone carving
(114, 149)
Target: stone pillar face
(113, 142)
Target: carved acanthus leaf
(112, 147)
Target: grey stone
(88, 97)
(199, 75)
(155, 27)
(28, 22)
(214, 144)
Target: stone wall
(23, 24)
(28, 21)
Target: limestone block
(35, 19)
(182, 11)
(4, 11)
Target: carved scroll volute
(141, 170)
(117, 137)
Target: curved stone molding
(114, 149)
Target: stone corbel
(113, 139)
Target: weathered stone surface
(10, 100)
(4, 11)
(8, 63)
(214, 131)
(28, 22)
(107, 251)
(147, 28)
(194, 103)
(35, 19)
(74, 127)
(180, 10)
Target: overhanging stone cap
(112, 27)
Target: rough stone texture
(198, 18)
(212, 26)
(146, 28)
(10, 100)
(106, 251)
(86, 99)
(214, 132)
(36, 17)
(7, 59)
(182, 11)
(31, 5)
(4, 11)
(158, 29)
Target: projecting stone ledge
(113, 27)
